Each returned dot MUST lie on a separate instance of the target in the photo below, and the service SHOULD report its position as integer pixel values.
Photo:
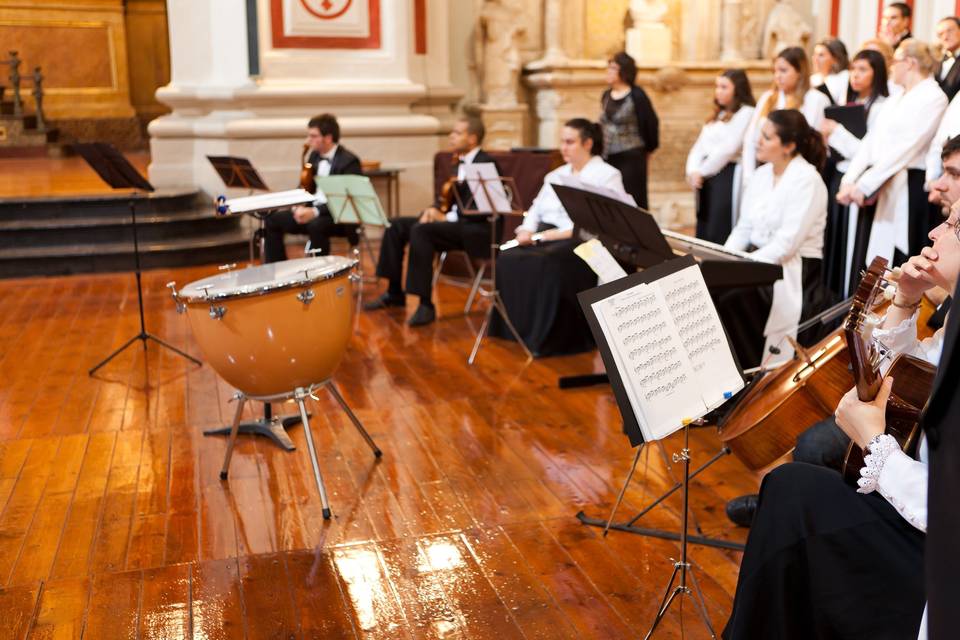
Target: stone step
(103, 205)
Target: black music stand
(118, 173)
(238, 173)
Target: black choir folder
(666, 352)
(853, 118)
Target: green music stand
(351, 199)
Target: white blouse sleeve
(903, 482)
(727, 151)
(697, 151)
(751, 135)
(912, 138)
(903, 339)
(531, 219)
(739, 238)
(949, 126)
(814, 104)
(844, 142)
(799, 215)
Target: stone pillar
(376, 85)
(732, 11)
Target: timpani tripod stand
(496, 302)
(117, 172)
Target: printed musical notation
(671, 351)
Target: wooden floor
(43, 177)
(114, 523)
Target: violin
(307, 182)
(447, 191)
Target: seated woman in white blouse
(791, 90)
(825, 560)
(713, 168)
(782, 217)
(539, 284)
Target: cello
(764, 425)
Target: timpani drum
(273, 328)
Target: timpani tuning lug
(217, 312)
(306, 296)
(227, 267)
(172, 285)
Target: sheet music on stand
(488, 193)
(663, 346)
(265, 202)
(352, 199)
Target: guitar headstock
(858, 330)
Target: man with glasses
(825, 559)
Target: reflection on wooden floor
(45, 177)
(114, 523)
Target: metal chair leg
(346, 408)
(241, 401)
(301, 395)
(438, 269)
(477, 280)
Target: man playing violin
(441, 227)
(327, 158)
(825, 559)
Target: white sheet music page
(651, 359)
(701, 333)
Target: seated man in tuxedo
(433, 231)
(327, 157)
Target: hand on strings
(303, 215)
(915, 276)
(524, 237)
(695, 180)
(861, 421)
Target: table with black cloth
(539, 286)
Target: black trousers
(715, 206)
(320, 230)
(632, 164)
(824, 562)
(425, 241)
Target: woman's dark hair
(742, 94)
(841, 59)
(792, 127)
(628, 67)
(879, 65)
(588, 131)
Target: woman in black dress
(631, 129)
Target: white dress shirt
(899, 141)
(719, 144)
(848, 144)
(785, 220)
(814, 102)
(945, 67)
(838, 84)
(949, 127)
(547, 207)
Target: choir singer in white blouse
(713, 167)
(791, 90)
(890, 163)
(782, 219)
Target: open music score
(265, 202)
(672, 359)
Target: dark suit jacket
(462, 188)
(941, 422)
(345, 162)
(950, 84)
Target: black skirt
(824, 562)
(744, 312)
(632, 164)
(861, 240)
(715, 206)
(539, 286)
(835, 237)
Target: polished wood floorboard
(115, 524)
(48, 177)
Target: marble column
(732, 12)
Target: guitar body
(912, 385)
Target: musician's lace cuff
(879, 450)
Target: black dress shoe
(386, 300)
(741, 510)
(423, 315)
